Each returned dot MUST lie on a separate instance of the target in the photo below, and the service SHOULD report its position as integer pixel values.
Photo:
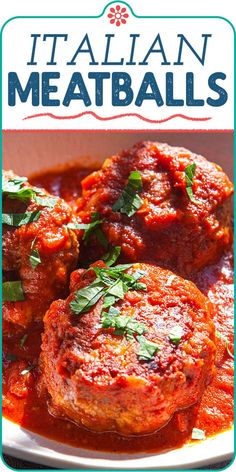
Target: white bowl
(37, 151)
(26, 445)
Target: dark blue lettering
(131, 59)
(99, 77)
(32, 61)
(47, 89)
(183, 40)
(223, 96)
(149, 81)
(190, 100)
(86, 50)
(54, 43)
(151, 50)
(125, 87)
(106, 62)
(76, 81)
(14, 86)
(170, 100)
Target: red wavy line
(148, 120)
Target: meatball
(38, 255)
(177, 231)
(128, 380)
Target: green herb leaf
(87, 297)
(23, 340)
(34, 258)
(108, 318)
(122, 324)
(11, 357)
(147, 349)
(198, 434)
(189, 176)
(109, 300)
(91, 228)
(14, 189)
(49, 202)
(176, 334)
(101, 237)
(27, 370)
(12, 291)
(75, 226)
(19, 219)
(116, 272)
(226, 341)
(113, 271)
(111, 257)
(117, 289)
(129, 201)
(138, 285)
(111, 283)
(12, 184)
(130, 325)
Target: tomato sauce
(23, 404)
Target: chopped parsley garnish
(128, 326)
(49, 202)
(94, 227)
(27, 370)
(111, 283)
(90, 228)
(19, 219)
(198, 434)
(111, 257)
(129, 201)
(14, 189)
(12, 291)
(123, 324)
(226, 341)
(176, 334)
(87, 297)
(23, 340)
(147, 349)
(11, 357)
(136, 276)
(34, 257)
(77, 226)
(101, 237)
(107, 318)
(189, 176)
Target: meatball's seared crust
(56, 250)
(97, 378)
(168, 228)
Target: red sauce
(22, 403)
(62, 183)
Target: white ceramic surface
(29, 152)
(32, 447)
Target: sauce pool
(23, 404)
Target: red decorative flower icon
(118, 15)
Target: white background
(218, 58)
(11, 8)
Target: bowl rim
(26, 445)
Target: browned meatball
(39, 255)
(128, 380)
(168, 227)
